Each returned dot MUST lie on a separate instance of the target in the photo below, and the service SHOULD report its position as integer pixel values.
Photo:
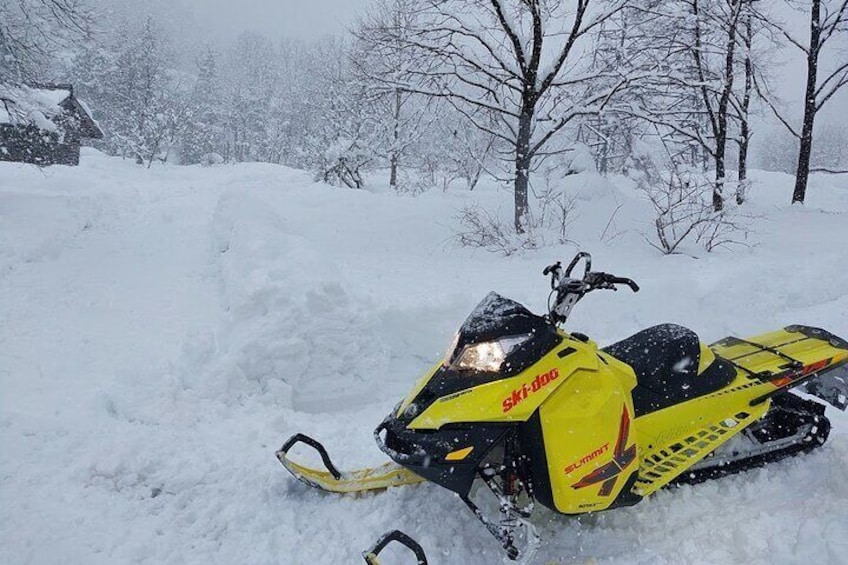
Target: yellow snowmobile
(541, 415)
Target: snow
(165, 330)
(28, 105)
(50, 97)
(490, 313)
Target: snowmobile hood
(494, 318)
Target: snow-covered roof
(26, 105)
(51, 108)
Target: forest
(682, 95)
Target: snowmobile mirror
(371, 553)
(555, 271)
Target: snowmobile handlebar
(567, 291)
(591, 280)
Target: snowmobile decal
(622, 458)
(520, 394)
(587, 458)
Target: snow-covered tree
(341, 142)
(204, 135)
(382, 60)
(31, 31)
(828, 25)
(149, 106)
(696, 100)
(251, 80)
(517, 69)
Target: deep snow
(163, 331)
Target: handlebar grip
(550, 268)
(622, 280)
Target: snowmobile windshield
(495, 337)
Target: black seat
(665, 359)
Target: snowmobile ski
(385, 476)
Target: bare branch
(829, 171)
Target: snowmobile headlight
(489, 355)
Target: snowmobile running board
(385, 476)
(371, 553)
(789, 413)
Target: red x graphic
(622, 457)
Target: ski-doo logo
(519, 395)
(587, 458)
(623, 456)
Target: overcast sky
(303, 19)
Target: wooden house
(43, 124)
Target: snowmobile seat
(671, 366)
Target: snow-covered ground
(163, 331)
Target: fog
(221, 21)
(299, 19)
(284, 81)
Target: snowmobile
(536, 414)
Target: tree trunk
(745, 132)
(718, 189)
(522, 170)
(742, 185)
(395, 153)
(721, 117)
(803, 171)
(393, 175)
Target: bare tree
(683, 214)
(31, 30)
(744, 106)
(696, 41)
(516, 69)
(720, 125)
(828, 22)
